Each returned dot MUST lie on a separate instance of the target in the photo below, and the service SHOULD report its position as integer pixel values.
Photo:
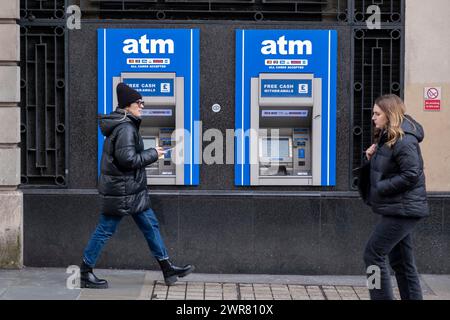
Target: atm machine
(286, 128)
(163, 113)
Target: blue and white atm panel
(286, 129)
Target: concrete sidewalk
(50, 284)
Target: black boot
(172, 272)
(89, 280)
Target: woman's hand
(371, 151)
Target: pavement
(55, 284)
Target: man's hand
(160, 152)
(371, 151)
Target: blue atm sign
(292, 52)
(139, 52)
(286, 88)
(152, 87)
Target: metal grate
(391, 11)
(41, 9)
(377, 70)
(307, 10)
(43, 124)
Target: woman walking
(398, 194)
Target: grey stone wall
(11, 200)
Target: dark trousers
(392, 237)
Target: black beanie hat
(126, 95)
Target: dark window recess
(377, 69)
(41, 9)
(43, 125)
(306, 10)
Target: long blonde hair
(394, 108)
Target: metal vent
(391, 11)
(41, 9)
(307, 10)
(377, 70)
(43, 125)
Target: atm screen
(149, 143)
(276, 148)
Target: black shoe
(89, 280)
(172, 272)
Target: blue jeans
(106, 227)
(392, 238)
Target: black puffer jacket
(123, 182)
(397, 180)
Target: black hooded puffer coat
(123, 182)
(397, 180)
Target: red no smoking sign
(432, 98)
